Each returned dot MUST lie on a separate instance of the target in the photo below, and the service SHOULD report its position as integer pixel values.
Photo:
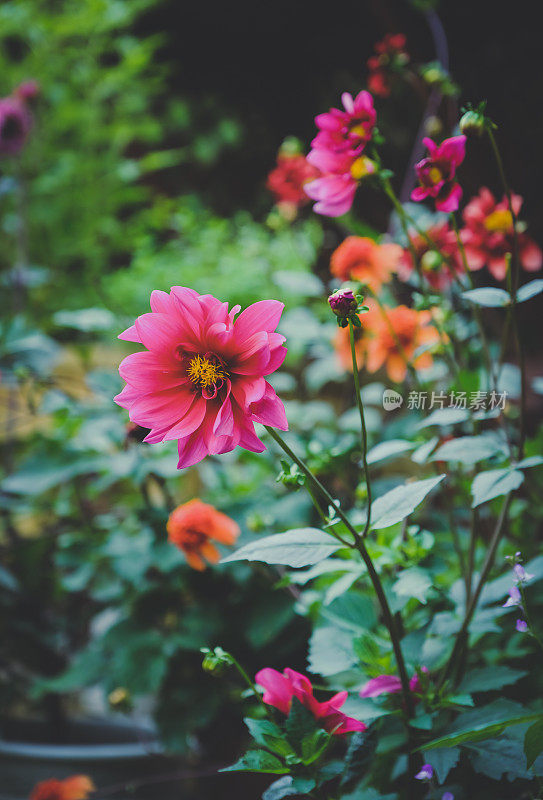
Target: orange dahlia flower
(78, 787)
(389, 337)
(193, 525)
(362, 259)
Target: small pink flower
(514, 599)
(28, 90)
(389, 684)
(521, 626)
(201, 378)
(280, 688)
(15, 124)
(346, 130)
(436, 173)
(341, 173)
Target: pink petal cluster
(337, 153)
(487, 235)
(389, 684)
(201, 378)
(280, 688)
(436, 173)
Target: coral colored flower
(15, 124)
(347, 130)
(390, 57)
(279, 689)
(341, 174)
(389, 684)
(287, 180)
(436, 173)
(78, 787)
(201, 379)
(389, 340)
(362, 259)
(488, 235)
(439, 272)
(193, 525)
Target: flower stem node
(290, 475)
(347, 306)
(216, 660)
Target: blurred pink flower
(487, 235)
(436, 173)
(15, 124)
(280, 688)
(389, 684)
(346, 130)
(201, 379)
(341, 173)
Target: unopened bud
(343, 302)
(472, 124)
(216, 660)
(431, 260)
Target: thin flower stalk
(364, 435)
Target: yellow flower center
(205, 372)
(435, 174)
(500, 220)
(361, 167)
(359, 130)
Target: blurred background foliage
(146, 168)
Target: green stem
(462, 637)
(359, 545)
(249, 683)
(364, 434)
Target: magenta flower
(280, 688)
(447, 796)
(426, 773)
(341, 172)
(389, 684)
(15, 124)
(349, 130)
(201, 379)
(521, 576)
(436, 173)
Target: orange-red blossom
(77, 787)
(192, 527)
(390, 337)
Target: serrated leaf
(488, 296)
(494, 483)
(477, 733)
(299, 547)
(261, 728)
(330, 651)
(288, 786)
(358, 758)
(529, 290)
(494, 758)
(397, 504)
(443, 761)
(467, 450)
(533, 742)
(413, 582)
(300, 723)
(257, 761)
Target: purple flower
(514, 598)
(343, 302)
(426, 773)
(521, 626)
(521, 576)
(448, 796)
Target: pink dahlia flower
(488, 235)
(436, 173)
(280, 688)
(201, 378)
(389, 684)
(349, 130)
(341, 173)
(15, 124)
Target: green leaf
(288, 786)
(443, 761)
(529, 290)
(260, 729)
(299, 547)
(330, 651)
(87, 320)
(532, 461)
(314, 744)
(477, 733)
(413, 582)
(445, 416)
(467, 450)
(383, 450)
(300, 723)
(498, 757)
(359, 756)
(257, 761)
(533, 742)
(488, 679)
(494, 483)
(303, 284)
(488, 296)
(397, 504)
